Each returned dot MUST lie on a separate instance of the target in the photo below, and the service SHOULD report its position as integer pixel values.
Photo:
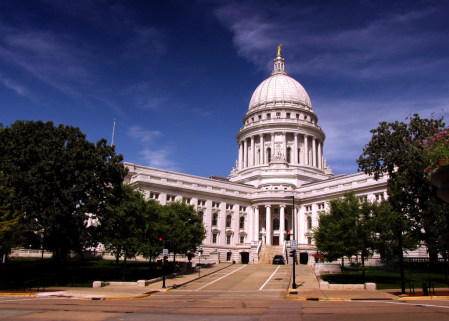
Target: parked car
(278, 259)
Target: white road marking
(269, 278)
(27, 299)
(221, 277)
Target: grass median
(388, 278)
(23, 273)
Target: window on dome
(289, 155)
(299, 155)
(269, 154)
(260, 117)
(252, 119)
(297, 116)
(268, 116)
(278, 115)
(288, 115)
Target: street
(240, 292)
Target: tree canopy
(9, 218)
(58, 176)
(396, 149)
(351, 227)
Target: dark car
(278, 259)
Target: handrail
(259, 247)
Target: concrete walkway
(132, 291)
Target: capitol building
(279, 184)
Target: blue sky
(178, 75)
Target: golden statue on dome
(279, 49)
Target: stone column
(245, 153)
(240, 156)
(313, 152)
(256, 224)
(268, 224)
(299, 219)
(253, 152)
(282, 225)
(306, 150)
(320, 165)
(272, 145)
(262, 150)
(295, 156)
(284, 134)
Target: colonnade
(295, 224)
(309, 155)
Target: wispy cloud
(19, 89)
(142, 135)
(151, 155)
(391, 44)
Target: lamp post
(293, 234)
(401, 254)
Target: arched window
(228, 221)
(276, 224)
(201, 215)
(309, 223)
(269, 154)
(214, 219)
(289, 155)
(242, 223)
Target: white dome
(280, 89)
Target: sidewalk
(308, 289)
(120, 292)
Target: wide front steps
(267, 252)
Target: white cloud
(19, 89)
(142, 135)
(159, 159)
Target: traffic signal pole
(294, 251)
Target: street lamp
(293, 234)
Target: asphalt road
(240, 292)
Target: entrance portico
(271, 222)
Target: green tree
(396, 149)
(9, 218)
(58, 176)
(123, 226)
(182, 227)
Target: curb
(19, 294)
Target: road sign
(165, 252)
(293, 244)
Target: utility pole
(401, 254)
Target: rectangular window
(308, 208)
(228, 239)
(252, 119)
(268, 116)
(321, 206)
(379, 197)
(260, 117)
(214, 238)
(186, 200)
(215, 204)
(242, 208)
(242, 239)
(202, 202)
(297, 116)
(154, 195)
(288, 115)
(309, 240)
(278, 115)
(228, 256)
(229, 206)
(170, 198)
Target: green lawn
(79, 273)
(387, 278)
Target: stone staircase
(267, 252)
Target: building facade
(280, 156)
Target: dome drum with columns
(280, 132)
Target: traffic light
(292, 253)
(288, 235)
